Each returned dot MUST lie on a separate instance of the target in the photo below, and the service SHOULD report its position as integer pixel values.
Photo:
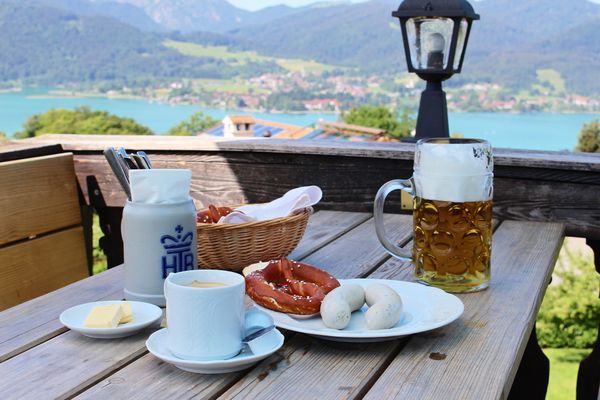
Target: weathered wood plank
(324, 227)
(394, 151)
(39, 195)
(293, 358)
(482, 349)
(66, 364)
(149, 377)
(358, 252)
(38, 266)
(316, 369)
(239, 178)
(19, 333)
(575, 205)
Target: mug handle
(256, 320)
(397, 184)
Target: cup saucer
(157, 345)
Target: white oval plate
(144, 314)
(157, 345)
(425, 308)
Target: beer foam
(454, 172)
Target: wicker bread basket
(235, 246)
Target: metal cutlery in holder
(121, 162)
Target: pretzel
(213, 214)
(290, 287)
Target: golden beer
(453, 187)
(452, 243)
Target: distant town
(337, 91)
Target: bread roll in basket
(235, 246)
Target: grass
(241, 58)
(553, 77)
(564, 364)
(99, 256)
(236, 58)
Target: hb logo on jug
(179, 255)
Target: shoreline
(59, 93)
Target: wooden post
(588, 377)
(110, 223)
(87, 220)
(531, 381)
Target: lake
(541, 131)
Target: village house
(238, 126)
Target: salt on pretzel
(289, 286)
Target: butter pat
(104, 316)
(127, 313)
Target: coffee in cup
(207, 321)
(201, 284)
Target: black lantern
(435, 35)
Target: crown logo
(177, 242)
(179, 255)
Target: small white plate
(144, 314)
(157, 345)
(425, 308)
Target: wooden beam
(19, 149)
(529, 185)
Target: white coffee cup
(208, 323)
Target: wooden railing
(528, 185)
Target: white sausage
(385, 307)
(377, 292)
(355, 296)
(335, 310)
(337, 306)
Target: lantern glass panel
(429, 40)
(460, 42)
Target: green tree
(589, 138)
(570, 311)
(381, 118)
(3, 135)
(196, 123)
(81, 121)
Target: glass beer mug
(452, 187)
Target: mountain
(58, 41)
(538, 19)
(363, 35)
(204, 15)
(123, 12)
(507, 45)
(47, 45)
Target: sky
(257, 4)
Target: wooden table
(476, 357)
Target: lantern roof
(436, 8)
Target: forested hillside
(508, 45)
(58, 41)
(44, 45)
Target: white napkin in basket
(294, 200)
